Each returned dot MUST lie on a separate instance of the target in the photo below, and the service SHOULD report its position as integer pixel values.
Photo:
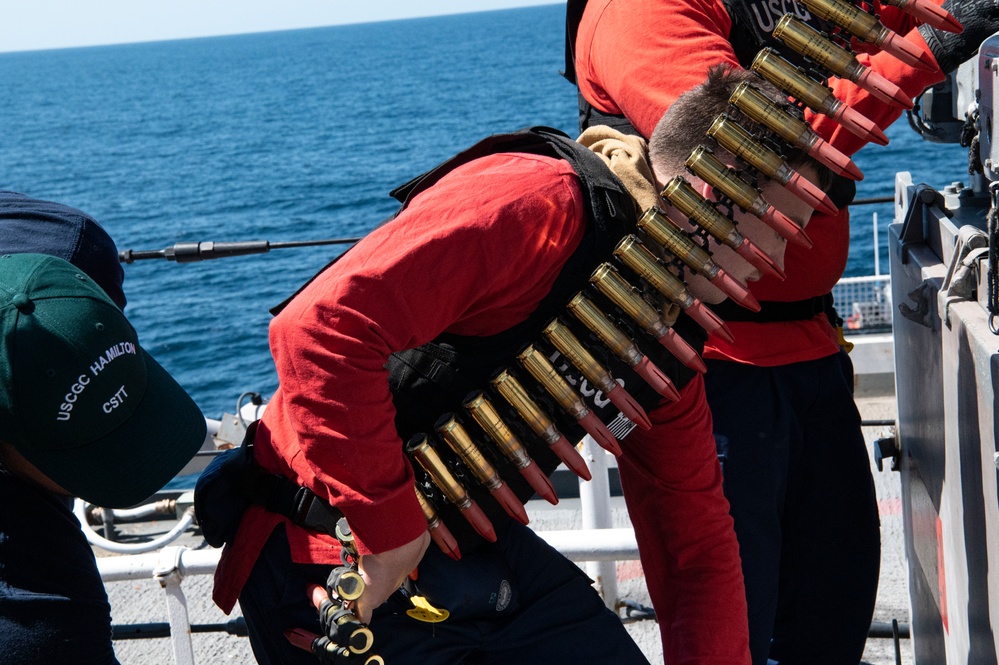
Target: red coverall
(473, 255)
(634, 58)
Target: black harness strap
(772, 311)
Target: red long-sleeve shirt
(635, 57)
(472, 255)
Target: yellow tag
(423, 611)
(846, 346)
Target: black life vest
(435, 378)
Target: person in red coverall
(471, 255)
(788, 432)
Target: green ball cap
(79, 398)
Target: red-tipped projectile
(735, 290)
(907, 51)
(786, 227)
(479, 521)
(655, 378)
(684, 352)
(318, 595)
(709, 321)
(623, 400)
(836, 160)
(757, 258)
(808, 192)
(859, 124)
(595, 428)
(570, 457)
(536, 478)
(883, 89)
(445, 540)
(301, 638)
(511, 504)
(932, 14)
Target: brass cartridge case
(684, 198)
(617, 289)
(421, 450)
(461, 443)
(433, 519)
(677, 243)
(538, 366)
(734, 138)
(489, 419)
(759, 108)
(345, 583)
(517, 396)
(613, 337)
(809, 42)
(771, 66)
(713, 171)
(847, 16)
(569, 346)
(633, 254)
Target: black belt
(233, 481)
(280, 495)
(772, 311)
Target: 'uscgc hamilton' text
(82, 381)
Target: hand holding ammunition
(385, 572)
(980, 19)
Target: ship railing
(864, 303)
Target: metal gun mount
(946, 112)
(942, 250)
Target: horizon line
(293, 28)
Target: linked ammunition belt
(548, 379)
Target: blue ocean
(295, 135)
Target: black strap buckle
(311, 512)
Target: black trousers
(546, 612)
(798, 478)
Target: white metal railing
(864, 303)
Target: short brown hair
(684, 125)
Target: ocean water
(288, 136)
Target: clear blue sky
(44, 24)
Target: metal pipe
(79, 509)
